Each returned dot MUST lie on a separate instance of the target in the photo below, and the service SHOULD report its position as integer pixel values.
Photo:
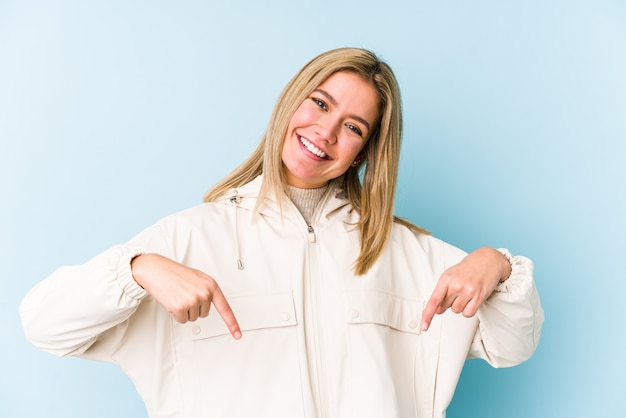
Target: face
(329, 130)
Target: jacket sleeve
(67, 312)
(510, 320)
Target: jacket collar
(246, 197)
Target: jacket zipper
(314, 295)
(313, 327)
(317, 336)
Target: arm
(67, 313)
(504, 299)
(466, 285)
(184, 292)
(510, 320)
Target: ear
(357, 160)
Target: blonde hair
(370, 186)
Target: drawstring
(235, 200)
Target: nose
(327, 129)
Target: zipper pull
(311, 233)
(235, 200)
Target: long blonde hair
(370, 186)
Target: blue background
(115, 113)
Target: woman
(337, 308)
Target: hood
(247, 196)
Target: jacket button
(413, 323)
(354, 313)
(285, 316)
(195, 330)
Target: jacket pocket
(376, 307)
(264, 365)
(383, 335)
(253, 312)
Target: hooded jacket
(317, 341)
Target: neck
(306, 200)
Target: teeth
(312, 148)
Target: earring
(356, 162)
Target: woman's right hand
(184, 292)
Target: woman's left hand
(466, 285)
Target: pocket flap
(252, 312)
(376, 307)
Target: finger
(458, 305)
(193, 313)
(471, 308)
(181, 317)
(204, 309)
(433, 306)
(226, 312)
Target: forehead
(349, 80)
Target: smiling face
(329, 129)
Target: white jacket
(317, 340)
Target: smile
(312, 148)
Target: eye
(355, 129)
(320, 103)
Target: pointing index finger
(226, 312)
(432, 306)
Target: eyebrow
(334, 102)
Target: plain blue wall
(115, 113)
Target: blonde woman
(293, 291)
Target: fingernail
(237, 335)
(424, 326)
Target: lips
(312, 148)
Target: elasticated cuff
(125, 275)
(521, 274)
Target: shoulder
(193, 216)
(434, 248)
(211, 215)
